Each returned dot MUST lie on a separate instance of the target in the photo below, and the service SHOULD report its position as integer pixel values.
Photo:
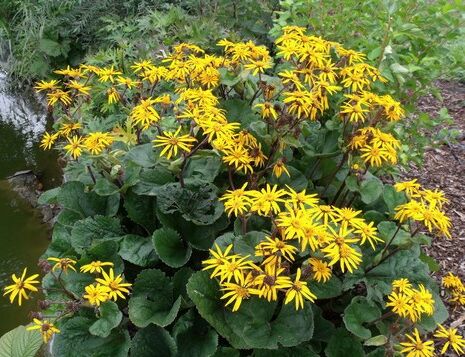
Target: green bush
(217, 203)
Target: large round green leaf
(343, 344)
(153, 341)
(194, 337)
(152, 300)
(171, 249)
(137, 250)
(360, 311)
(110, 317)
(20, 343)
(75, 340)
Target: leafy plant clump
(218, 203)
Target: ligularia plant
(240, 195)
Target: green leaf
(327, 290)
(398, 68)
(151, 181)
(75, 340)
(324, 329)
(110, 317)
(49, 47)
(194, 337)
(360, 311)
(85, 232)
(370, 189)
(296, 180)
(49, 197)
(433, 265)
(240, 110)
(343, 344)
(387, 229)
(20, 343)
(171, 249)
(379, 340)
(152, 300)
(197, 204)
(103, 187)
(203, 167)
(392, 198)
(141, 209)
(180, 279)
(74, 198)
(138, 250)
(143, 155)
(153, 341)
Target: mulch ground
(444, 168)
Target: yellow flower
(97, 142)
(171, 142)
(239, 157)
(452, 281)
(63, 264)
(368, 232)
(113, 95)
(415, 347)
(79, 87)
(266, 200)
(47, 329)
(400, 304)
(259, 66)
(115, 284)
(127, 82)
(339, 251)
(48, 140)
(374, 154)
(142, 66)
(96, 294)
(402, 285)
(234, 267)
(275, 248)
(58, 95)
(320, 270)
(218, 261)
(347, 216)
(267, 110)
(67, 128)
(279, 167)
(236, 201)
(268, 283)
(298, 292)
(75, 146)
(411, 188)
(70, 72)
(236, 292)
(144, 114)
(95, 267)
(452, 339)
(107, 74)
(355, 112)
(302, 199)
(20, 286)
(44, 85)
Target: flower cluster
(409, 302)
(415, 346)
(455, 288)
(326, 235)
(107, 287)
(423, 206)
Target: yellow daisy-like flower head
(451, 339)
(95, 267)
(96, 294)
(116, 286)
(62, 263)
(47, 329)
(298, 292)
(415, 347)
(21, 286)
(173, 142)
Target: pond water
(23, 237)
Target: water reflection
(23, 237)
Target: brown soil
(444, 168)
